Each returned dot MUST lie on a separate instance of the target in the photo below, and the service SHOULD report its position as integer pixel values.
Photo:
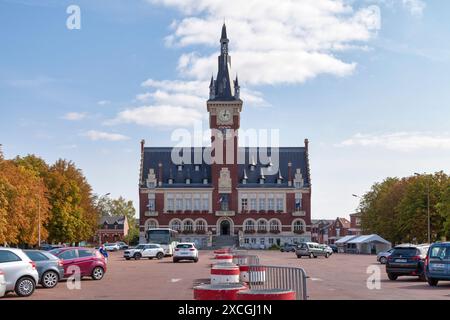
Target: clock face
(225, 115)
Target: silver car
(383, 256)
(20, 272)
(2, 284)
(49, 267)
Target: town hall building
(243, 196)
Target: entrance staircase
(224, 241)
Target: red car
(90, 261)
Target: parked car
(383, 256)
(327, 248)
(48, 247)
(90, 261)
(19, 271)
(50, 268)
(437, 263)
(311, 249)
(122, 245)
(146, 250)
(2, 284)
(185, 251)
(407, 260)
(288, 247)
(334, 248)
(111, 247)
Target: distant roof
(369, 238)
(345, 223)
(112, 219)
(345, 239)
(297, 156)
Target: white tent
(368, 244)
(342, 243)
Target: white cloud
(400, 141)
(416, 7)
(272, 42)
(99, 135)
(103, 102)
(159, 116)
(74, 116)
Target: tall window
(244, 204)
(271, 204)
(175, 225)
(223, 201)
(205, 204)
(196, 204)
(274, 226)
(151, 204)
(170, 204)
(299, 226)
(179, 204)
(200, 225)
(188, 203)
(298, 201)
(253, 204)
(262, 225)
(262, 204)
(249, 225)
(280, 204)
(188, 225)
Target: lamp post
(428, 206)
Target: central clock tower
(224, 107)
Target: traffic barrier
(223, 258)
(226, 291)
(222, 251)
(257, 276)
(245, 259)
(273, 294)
(225, 273)
(278, 278)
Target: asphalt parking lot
(341, 276)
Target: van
(437, 263)
(311, 250)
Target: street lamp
(428, 205)
(356, 196)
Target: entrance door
(225, 228)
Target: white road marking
(316, 279)
(174, 280)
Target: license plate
(438, 265)
(401, 260)
(184, 253)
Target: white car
(111, 247)
(2, 284)
(185, 251)
(146, 250)
(19, 272)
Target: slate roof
(112, 220)
(153, 156)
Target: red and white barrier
(222, 251)
(225, 273)
(258, 274)
(218, 291)
(273, 294)
(223, 258)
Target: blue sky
(366, 81)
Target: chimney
(160, 175)
(289, 173)
(306, 144)
(142, 145)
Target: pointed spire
(224, 32)
(236, 82)
(211, 84)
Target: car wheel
(159, 255)
(98, 273)
(311, 255)
(175, 260)
(25, 287)
(432, 282)
(327, 255)
(137, 256)
(299, 257)
(383, 260)
(49, 279)
(392, 276)
(127, 258)
(196, 260)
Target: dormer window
(197, 167)
(151, 185)
(205, 181)
(180, 168)
(170, 181)
(261, 181)
(188, 181)
(279, 181)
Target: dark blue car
(438, 263)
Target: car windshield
(405, 252)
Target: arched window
(299, 226)
(175, 225)
(200, 226)
(262, 225)
(151, 224)
(249, 225)
(274, 225)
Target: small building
(111, 229)
(355, 223)
(319, 230)
(338, 229)
(364, 244)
